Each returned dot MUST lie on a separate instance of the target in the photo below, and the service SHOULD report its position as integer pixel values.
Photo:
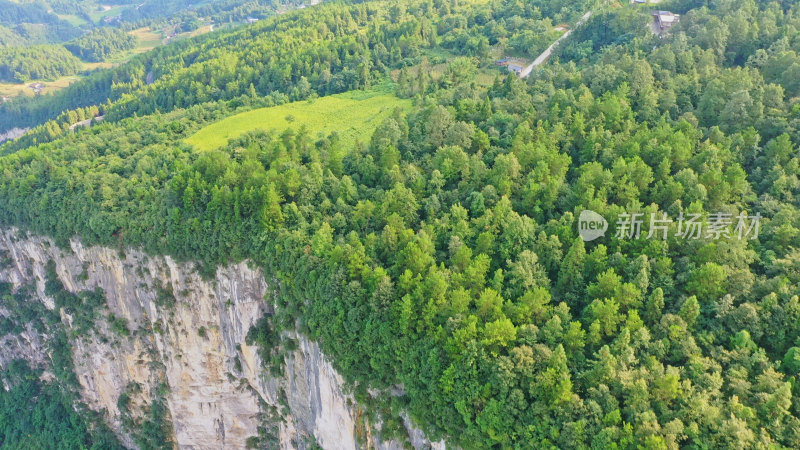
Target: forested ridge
(99, 44)
(320, 44)
(442, 259)
(58, 21)
(38, 62)
(12, 12)
(334, 52)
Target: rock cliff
(184, 338)
(12, 134)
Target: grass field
(354, 115)
(146, 38)
(107, 11)
(13, 89)
(50, 86)
(72, 19)
(202, 30)
(97, 65)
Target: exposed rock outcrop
(190, 334)
(12, 134)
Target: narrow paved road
(546, 54)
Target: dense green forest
(183, 11)
(25, 24)
(331, 58)
(28, 34)
(442, 258)
(14, 12)
(57, 21)
(96, 32)
(39, 62)
(38, 414)
(112, 84)
(100, 44)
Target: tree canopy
(442, 258)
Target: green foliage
(23, 312)
(268, 339)
(39, 414)
(321, 51)
(119, 325)
(100, 44)
(443, 256)
(15, 12)
(165, 297)
(791, 362)
(83, 307)
(35, 413)
(153, 431)
(36, 63)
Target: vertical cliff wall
(183, 338)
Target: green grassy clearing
(354, 115)
(113, 10)
(72, 19)
(14, 89)
(147, 39)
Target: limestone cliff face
(189, 335)
(12, 134)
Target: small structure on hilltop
(664, 20)
(37, 87)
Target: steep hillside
(601, 255)
(336, 48)
(164, 338)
